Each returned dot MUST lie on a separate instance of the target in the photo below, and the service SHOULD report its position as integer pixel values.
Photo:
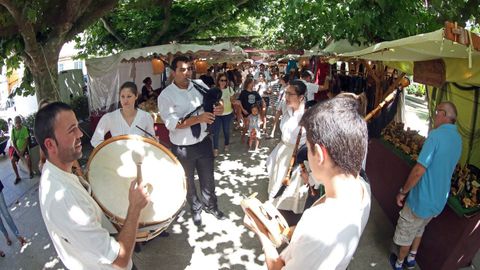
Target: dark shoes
(216, 213)
(164, 234)
(31, 175)
(17, 180)
(393, 260)
(197, 217)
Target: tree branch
(89, 18)
(73, 10)
(192, 26)
(25, 29)
(166, 22)
(112, 32)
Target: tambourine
(276, 225)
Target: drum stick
(146, 132)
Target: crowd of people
(326, 140)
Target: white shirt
(116, 124)
(312, 89)
(173, 104)
(265, 72)
(73, 221)
(261, 88)
(289, 124)
(327, 235)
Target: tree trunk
(43, 66)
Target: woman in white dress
(278, 161)
(127, 120)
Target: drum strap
(105, 222)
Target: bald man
(427, 187)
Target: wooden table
(449, 241)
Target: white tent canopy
(421, 47)
(334, 48)
(106, 74)
(462, 62)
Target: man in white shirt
(312, 88)
(328, 233)
(72, 217)
(191, 143)
(265, 72)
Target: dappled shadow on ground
(216, 244)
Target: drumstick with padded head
(138, 159)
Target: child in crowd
(254, 123)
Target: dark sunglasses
(223, 80)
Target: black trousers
(198, 157)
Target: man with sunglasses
(427, 186)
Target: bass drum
(111, 168)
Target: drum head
(112, 166)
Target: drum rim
(108, 213)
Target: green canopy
(462, 74)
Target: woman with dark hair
(278, 161)
(147, 90)
(225, 119)
(126, 120)
(248, 98)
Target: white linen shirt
(175, 103)
(73, 221)
(327, 235)
(289, 124)
(312, 89)
(116, 124)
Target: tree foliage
(302, 24)
(140, 23)
(34, 31)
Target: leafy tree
(34, 31)
(140, 23)
(302, 24)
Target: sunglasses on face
(223, 80)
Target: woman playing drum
(127, 120)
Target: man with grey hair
(427, 186)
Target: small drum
(113, 165)
(271, 219)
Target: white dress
(116, 124)
(279, 160)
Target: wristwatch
(402, 192)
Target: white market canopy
(106, 74)
(334, 48)
(462, 62)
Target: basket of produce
(464, 196)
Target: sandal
(17, 180)
(22, 240)
(2, 254)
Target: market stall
(106, 74)
(447, 61)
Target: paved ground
(216, 245)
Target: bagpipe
(211, 96)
